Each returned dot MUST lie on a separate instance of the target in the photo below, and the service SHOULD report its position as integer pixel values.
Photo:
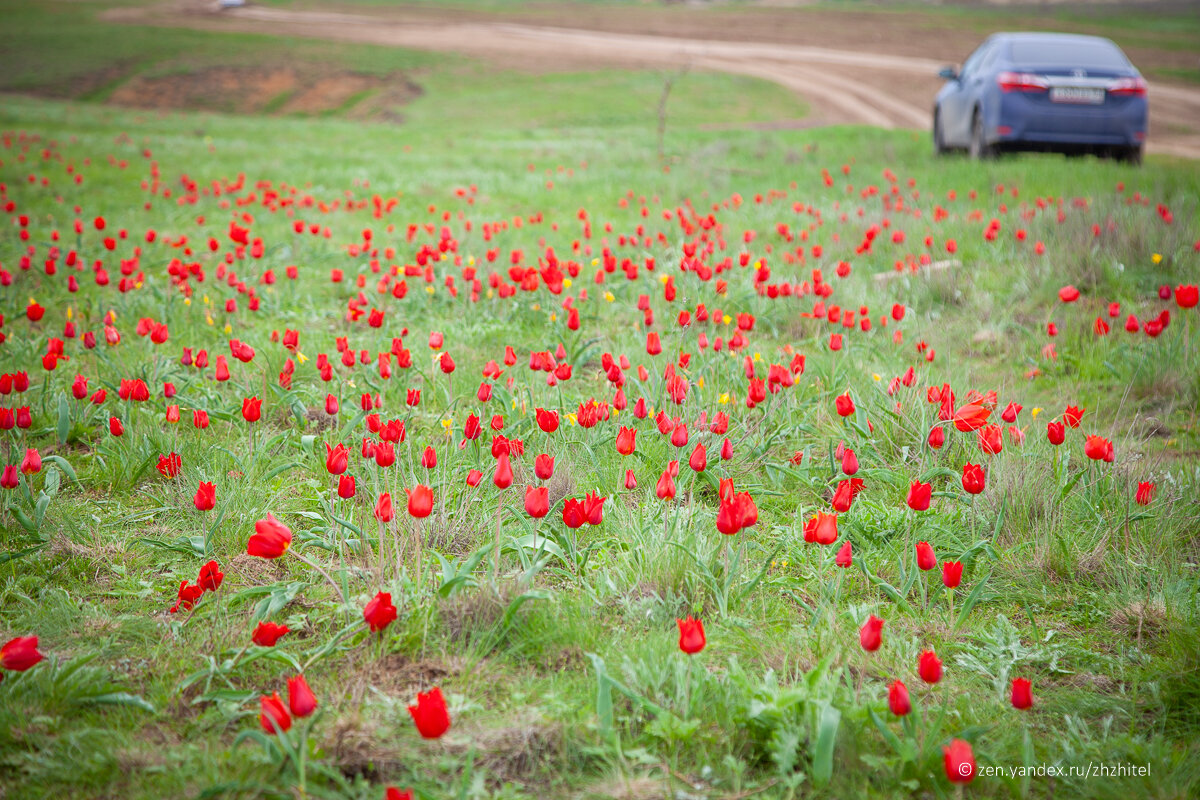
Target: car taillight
(1128, 87)
(1021, 82)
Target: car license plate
(1075, 94)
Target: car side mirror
(948, 73)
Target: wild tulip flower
(937, 438)
(169, 465)
(951, 574)
(926, 560)
(845, 556)
(1056, 433)
(1073, 415)
(630, 480)
(474, 477)
(1022, 693)
(20, 654)
(1145, 493)
(919, 495)
(301, 701)
(898, 702)
(726, 450)
(699, 458)
(547, 420)
(392, 793)
(274, 717)
(211, 577)
(420, 501)
(574, 515)
(870, 635)
(271, 538)
(1187, 296)
(11, 477)
(199, 419)
(665, 488)
(929, 667)
(959, 762)
(1098, 448)
(972, 478)
(337, 459)
(593, 508)
(543, 467)
(266, 634)
(379, 612)
(115, 427)
(346, 487)
(691, 635)
(971, 417)
(503, 477)
(251, 409)
(383, 508)
(991, 439)
(844, 405)
(206, 497)
(823, 528)
(32, 463)
(537, 503)
(429, 714)
(849, 462)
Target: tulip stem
(496, 546)
(326, 575)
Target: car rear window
(1052, 54)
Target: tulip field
(348, 460)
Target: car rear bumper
(1118, 122)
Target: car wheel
(1130, 155)
(980, 149)
(939, 141)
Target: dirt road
(874, 84)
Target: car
(1048, 92)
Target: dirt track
(880, 87)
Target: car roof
(1047, 38)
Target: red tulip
(573, 513)
(1022, 693)
(274, 717)
(383, 508)
(503, 476)
(473, 477)
(331, 405)
(630, 480)
(169, 465)
(537, 503)
(971, 417)
(337, 459)
(919, 495)
(972, 478)
(301, 701)
(845, 556)
(543, 467)
(898, 701)
(420, 501)
(1011, 412)
(822, 528)
(346, 487)
(379, 612)
(1068, 294)
(268, 633)
(665, 488)
(11, 477)
(593, 508)
(849, 462)
(1056, 432)
(959, 762)
(991, 439)
(251, 409)
(392, 793)
(926, 560)
(937, 437)
(1187, 296)
(200, 419)
(211, 577)
(844, 405)
(691, 635)
(115, 427)
(1072, 416)
(1098, 448)
(626, 440)
(430, 714)
(929, 667)
(20, 654)
(1145, 493)
(870, 635)
(951, 574)
(547, 420)
(271, 538)
(699, 459)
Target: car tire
(980, 149)
(939, 141)
(1130, 155)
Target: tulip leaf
(64, 419)
(13, 555)
(515, 605)
(280, 470)
(64, 465)
(604, 704)
(121, 699)
(828, 720)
